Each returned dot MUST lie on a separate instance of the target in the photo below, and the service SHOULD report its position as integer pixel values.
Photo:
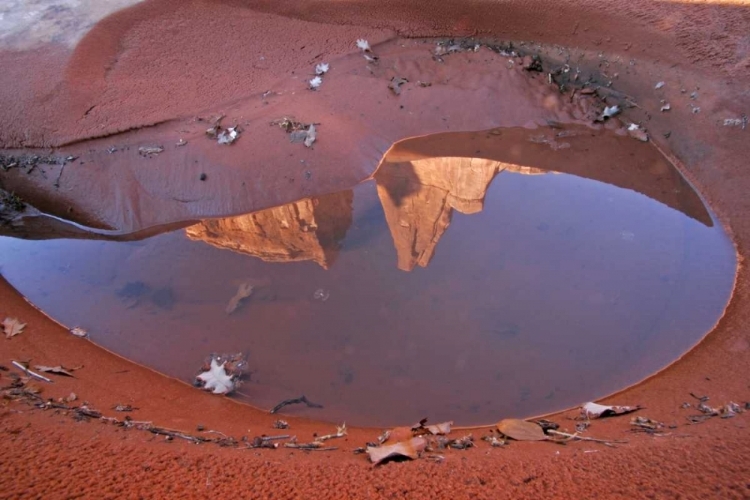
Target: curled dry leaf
(409, 449)
(594, 410)
(520, 430)
(57, 370)
(12, 327)
(244, 291)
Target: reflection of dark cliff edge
(310, 229)
(418, 198)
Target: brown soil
(46, 94)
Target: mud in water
(509, 272)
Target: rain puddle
(462, 282)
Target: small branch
(315, 446)
(29, 372)
(299, 400)
(340, 432)
(275, 438)
(576, 437)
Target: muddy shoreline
(667, 43)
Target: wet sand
(669, 42)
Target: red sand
(44, 101)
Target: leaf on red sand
(408, 449)
(520, 430)
(440, 429)
(594, 410)
(58, 370)
(12, 327)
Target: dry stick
(301, 399)
(29, 372)
(340, 432)
(607, 442)
(275, 438)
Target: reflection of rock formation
(310, 229)
(418, 198)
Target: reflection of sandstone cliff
(419, 196)
(309, 229)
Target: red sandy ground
(47, 455)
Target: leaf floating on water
(521, 430)
(407, 449)
(58, 370)
(244, 291)
(12, 327)
(595, 410)
(221, 374)
(79, 332)
(396, 83)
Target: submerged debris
(396, 83)
(609, 112)
(12, 327)
(244, 291)
(737, 122)
(149, 151)
(532, 63)
(637, 132)
(300, 400)
(221, 374)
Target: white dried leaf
(228, 136)
(363, 45)
(311, 136)
(611, 111)
(659, 85)
(79, 332)
(666, 107)
(321, 69)
(216, 379)
(595, 410)
(12, 327)
(315, 83)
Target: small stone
(203, 177)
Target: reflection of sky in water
(25, 24)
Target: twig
(606, 442)
(315, 446)
(340, 432)
(275, 438)
(29, 372)
(299, 400)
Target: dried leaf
(659, 85)
(216, 379)
(399, 434)
(311, 136)
(666, 107)
(58, 370)
(396, 83)
(637, 132)
(594, 410)
(609, 112)
(12, 327)
(363, 45)
(315, 83)
(520, 430)
(228, 136)
(322, 69)
(79, 332)
(408, 449)
(244, 291)
(438, 429)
